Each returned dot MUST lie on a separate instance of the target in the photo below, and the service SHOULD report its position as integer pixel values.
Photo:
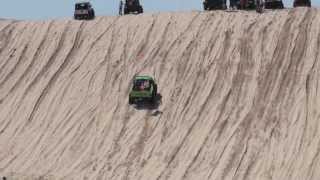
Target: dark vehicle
(246, 4)
(233, 4)
(84, 10)
(273, 4)
(302, 3)
(132, 7)
(144, 89)
(214, 5)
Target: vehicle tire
(308, 3)
(131, 100)
(126, 11)
(152, 100)
(140, 10)
(154, 94)
(155, 89)
(205, 7)
(93, 14)
(224, 7)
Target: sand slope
(239, 97)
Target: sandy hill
(239, 97)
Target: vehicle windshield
(141, 85)
(82, 6)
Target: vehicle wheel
(154, 97)
(131, 101)
(93, 15)
(151, 100)
(155, 89)
(309, 4)
(140, 10)
(126, 11)
(205, 6)
(224, 6)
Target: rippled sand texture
(239, 97)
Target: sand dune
(239, 97)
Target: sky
(50, 9)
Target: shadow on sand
(149, 105)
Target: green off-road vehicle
(144, 89)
